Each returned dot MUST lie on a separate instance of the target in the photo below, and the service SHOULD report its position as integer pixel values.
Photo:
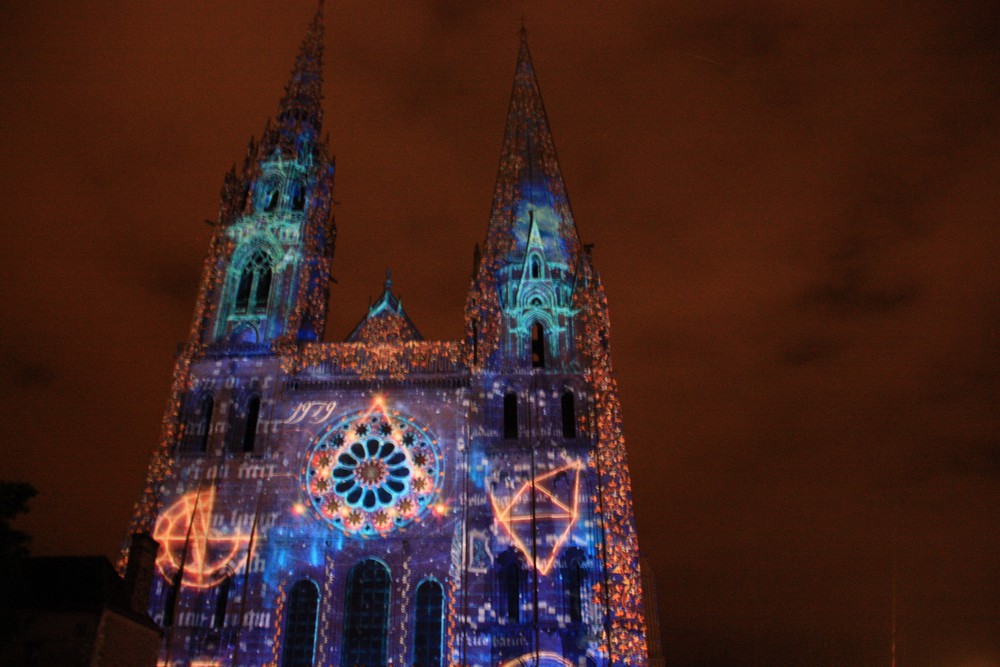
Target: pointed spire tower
(301, 109)
(267, 280)
(525, 274)
(529, 185)
(538, 327)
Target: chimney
(139, 570)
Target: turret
(268, 276)
(519, 313)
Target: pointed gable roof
(386, 321)
(529, 182)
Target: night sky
(795, 210)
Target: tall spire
(301, 109)
(529, 178)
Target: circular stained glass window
(373, 472)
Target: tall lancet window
(250, 427)
(255, 285)
(222, 602)
(300, 625)
(573, 584)
(509, 579)
(205, 422)
(199, 426)
(429, 625)
(366, 616)
(537, 345)
(298, 196)
(510, 416)
(568, 415)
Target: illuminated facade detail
(428, 631)
(541, 502)
(300, 625)
(191, 552)
(387, 499)
(373, 472)
(366, 622)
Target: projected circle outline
(373, 472)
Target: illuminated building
(389, 499)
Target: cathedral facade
(390, 500)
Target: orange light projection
(184, 531)
(519, 518)
(544, 659)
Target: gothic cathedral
(390, 500)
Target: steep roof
(386, 321)
(529, 182)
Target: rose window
(371, 473)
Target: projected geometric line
(557, 514)
(185, 534)
(373, 471)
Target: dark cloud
(22, 375)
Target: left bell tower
(267, 275)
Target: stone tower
(390, 500)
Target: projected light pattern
(524, 514)
(544, 659)
(373, 472)
(189, 545)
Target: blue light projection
(373, 471)
(500, 535)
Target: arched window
(298, 196)
(536, 267)
(205, 423)
(170, 604)
(250, 425)
(366, 616)
(271, 200)
(568, 415)
(573, 581)
(510, 416)
(254, 287)
(429, 625)
(222, 602)
(509, 578)
(198, 426)
(300, 625)
(537, 345)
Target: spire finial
(302, 104)
(529, 180)
(388, 280)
